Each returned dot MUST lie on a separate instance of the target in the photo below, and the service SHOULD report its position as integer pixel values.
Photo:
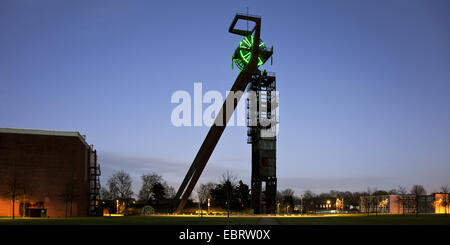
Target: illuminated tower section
(250, 54)
(262, 124)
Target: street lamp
(301, 205)
(209, 204)
(200, 209)
(117, 206)
(337, 205)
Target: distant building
(442, 203)
(399, 204)
(47, 173)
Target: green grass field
(236, 220)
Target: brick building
(47, 173)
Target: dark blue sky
(364, 85)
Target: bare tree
(402, 199)
(14, 184)
(402, 190)
(417, 191)
(120, 186)
(170, 191)
(107, 199)
(18, 189)
(27, 190)
(287, 197)
(203, 193)
(229, 182)
(309, 201)
(393, 192)
(148, 181)
(67, 196)
(445, 197)
(368, 200)
(375, 200)
(105, 194)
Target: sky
(364, 85)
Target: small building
(47, 174)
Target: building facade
(47, 174)
(404, 204)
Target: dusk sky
(364, 85)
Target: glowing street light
(301, 205)
(209, 204)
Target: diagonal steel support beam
(216, 130)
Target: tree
(67, 196)
(309, 201)
(377, 197)
(225, 193)
(148, 181)
(417, 191)
(402, 198)
(170, 192)
(244, 195)
(155, 190)
(229, 182)
(393, 192)
(380, 193)
(353, 200)
(287, 199)
(14, 184)
(107, 200)
(159, 192)
(105, 195)
(445, 197)
(401, 190)
(18, 189)
(120, 187)
(203, 193)
(366, 201)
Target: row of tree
(19, 189)
(119, 192)
(233, 195)
(229, 194)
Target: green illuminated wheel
(243, 53)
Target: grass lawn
(384, 219)
(133, 220)
(247, 220)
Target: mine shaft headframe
(222, 118)
(244, 33)
(243, 52)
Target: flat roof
(44, 132)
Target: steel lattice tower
(261, 132)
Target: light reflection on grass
(334, 219)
